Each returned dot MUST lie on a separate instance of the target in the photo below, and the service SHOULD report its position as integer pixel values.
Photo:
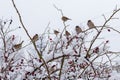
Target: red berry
(107, 41)
(12, 70)
(70, 62)
(108, 30)
(50, 39)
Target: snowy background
(37, 14)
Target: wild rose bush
(57, 56)
(66, 57)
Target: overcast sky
(37, 13)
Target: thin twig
(104, 17)
(58, 9)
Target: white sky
(37, 13)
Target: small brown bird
(65, 18)
(91, 25)
(18, 46)
(56, 32)
(78, 29)
(35, 38)
(67, 33)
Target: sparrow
(35, 38)
(18, 46)
(56, 32)
(90, 24)
(78, 29)
(67, 33)
(65, 18)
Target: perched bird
(35, 38)
(56, 32)
(78, 29)
(65, 18)
(90, 24)
(67, 33)
(18, 46)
